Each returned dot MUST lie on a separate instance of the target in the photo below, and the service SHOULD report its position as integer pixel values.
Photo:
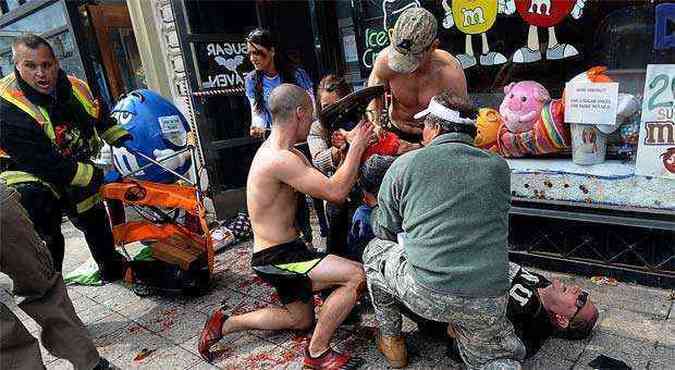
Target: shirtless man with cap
(414, 70)
(278, 174)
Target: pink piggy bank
(522, 105)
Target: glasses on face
(582, 298)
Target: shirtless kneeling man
(278, 175)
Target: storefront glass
(51, 22)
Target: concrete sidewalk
(636, 325)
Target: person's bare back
(272, 204)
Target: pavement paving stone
(136, 309)
(122, 345)
(60, 364)
(108, 324)
(174, 357)
(176, 326)
(202, 365)
(546, 360)
(47, 357)
(664, 358)
(605, 342)
(563, 349)
(667, 337)
(637, 325)
(93, 312)
(113, 293)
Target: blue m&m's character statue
(159, 130)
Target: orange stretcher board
(174, 242)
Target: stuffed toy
(532, 123)
(487, 126)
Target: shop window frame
(211, 146)
(34, 6)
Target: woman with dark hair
(327, 150)
(271, 70)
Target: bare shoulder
(381, 68)
(451, 72)
(279, 163)
(446, 61)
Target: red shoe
(212, 333)
(331, 360)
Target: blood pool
(544, 13)
(474, 16)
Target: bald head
(285, 100)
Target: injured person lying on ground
(538, 309)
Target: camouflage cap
(414, 32)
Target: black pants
(339, 221)
(46, 211)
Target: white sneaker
(526, 55)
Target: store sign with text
(656, 148)
(375, 39)
(222, 64)
(591, 103)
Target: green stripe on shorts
(303, 267)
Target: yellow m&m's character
(473, 17)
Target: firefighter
(51, 128)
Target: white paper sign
(656, 146)
(349, 47)
(591, 103)
(172, 129)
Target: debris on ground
(604, 280)
(222, 237)
(143, 354)
(232, 231)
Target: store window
(51, 23)
(217, 56)
(531, 43)
(9, 5)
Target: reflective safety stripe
(83, 174)
(10, 92)
(47, 125)
(113, 134)
(84, 96)
(303, 267)
(88, 203)
(20, 177)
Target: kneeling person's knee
(358, 281)
(302, 322)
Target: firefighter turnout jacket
(50, 139)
